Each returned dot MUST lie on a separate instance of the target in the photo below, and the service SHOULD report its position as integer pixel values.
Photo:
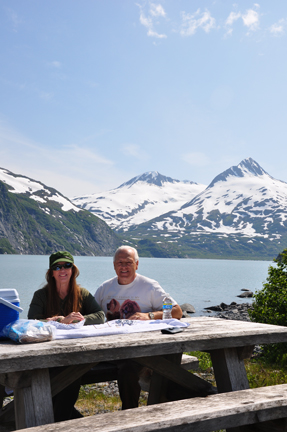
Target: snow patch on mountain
(139, 200)
(232, 204)
(36, 190)
(20, 184)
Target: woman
(63, 300)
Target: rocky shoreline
(234, 311)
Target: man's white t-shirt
(122, 301)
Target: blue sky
(94, 93)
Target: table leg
(158, 384)
(230, 373)
(33, 404)
(157, 389)
(2, 395)
(229, 370)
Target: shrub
(270, 306)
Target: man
(131, 296)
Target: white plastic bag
(28, 331)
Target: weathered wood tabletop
(25, 368)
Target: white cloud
(251, 19)
(233, 16)
(147, 22)
(192, 22)
(229, 32)
(155, 34)
(277, 29)
(196, 159)
(153, 14)
(135, 151)
(156, 10)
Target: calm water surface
(200, 282)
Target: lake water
(199, 282)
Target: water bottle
(167, 307)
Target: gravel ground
(109, 388)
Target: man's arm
(176, 312)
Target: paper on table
(63, 326)
(118, 327)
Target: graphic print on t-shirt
(125, 310)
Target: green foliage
(270, 306)
(204, 359)
(168, 244)
(5, 247)
(261, 373)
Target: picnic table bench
(260, 409)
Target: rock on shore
(234, 311)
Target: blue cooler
(9, 307)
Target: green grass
(260, 373)
(93, 401)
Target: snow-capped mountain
(243, 200)
(36, 219)
(36, 190)
(139, 200)
(241, 213)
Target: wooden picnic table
(25, 368)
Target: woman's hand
(72, 317)
(69, 319)
(58, 318)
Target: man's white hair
(124, 248)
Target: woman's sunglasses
(58, 267)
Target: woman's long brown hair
(74, 298)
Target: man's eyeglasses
(58, 267)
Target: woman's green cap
(61, 256)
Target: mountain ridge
(37, 219)
(153, 177)
(242, 210)
(241, 214)
(246, 166)
(136, 201)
